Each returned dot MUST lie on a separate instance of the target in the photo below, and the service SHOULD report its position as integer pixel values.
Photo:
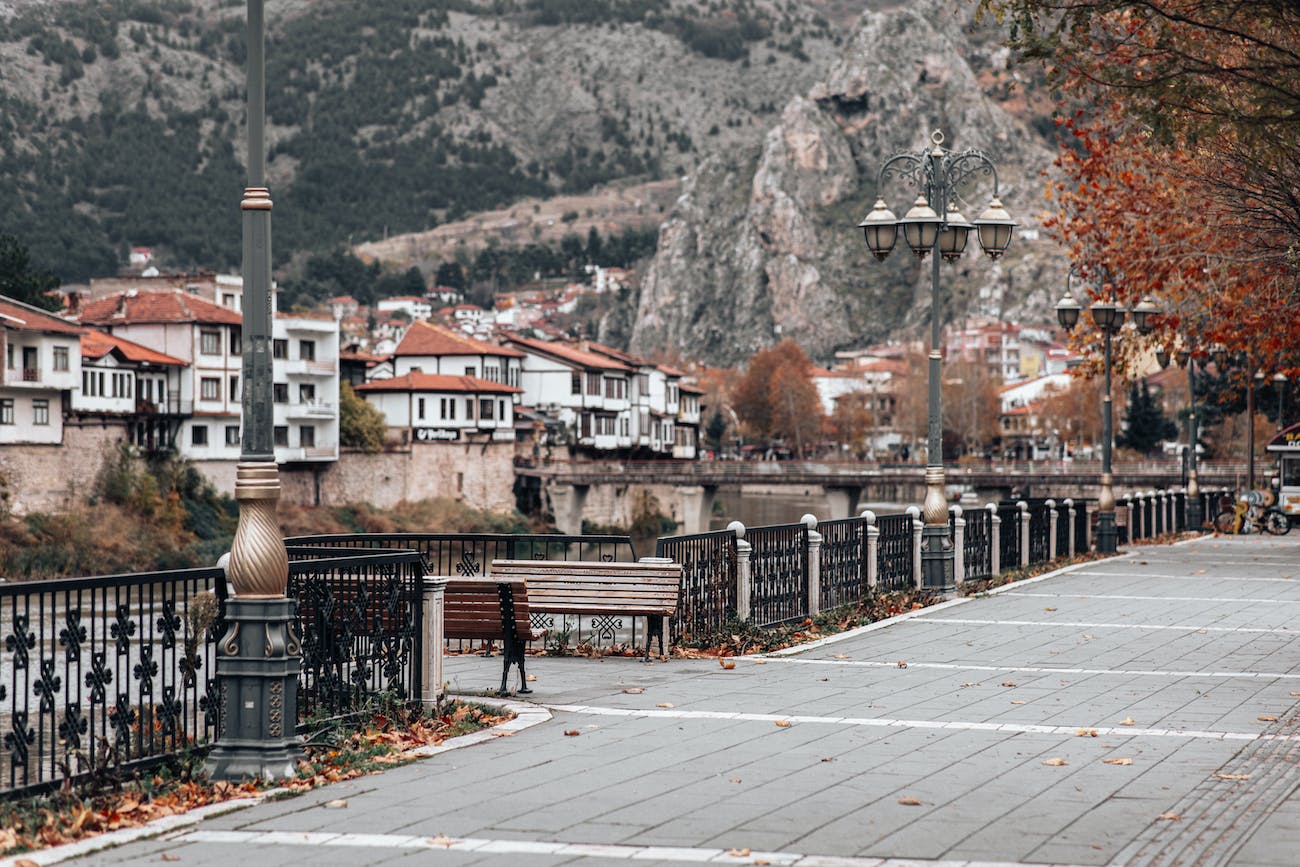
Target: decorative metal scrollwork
(99, 676)
(19, 737)
(168, 712)
(468, 566)
(169, 623)
(541, 620)
(73, 726)
(146, 669)
(72, 635)
(123, 628)
(604, 626)
(121, 718)
(47, 686)
(20, 640)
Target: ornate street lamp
(1108, 318)
(1183, 357)
(934, 225)
(259, 657)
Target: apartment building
(42, 366)
(127, 381)
(442, 408)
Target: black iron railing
(843, 563)
(708, 591)
(1039, 532)
(977, 549)
(778, 572)
(1009, 540)
(466, 555)
(894, 553)
(104, 671)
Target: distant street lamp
(1184, 357)
(934, 225)
(1108, 318)
(260, 655)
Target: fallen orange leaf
(1267, 718)
(664, 704)
(1086, 733)
(571, 733)
(1056, 763)
(1126, 721)
(738, 853)
(1172, 817)
(727, 664)
(440, 840)
(634, 690)
(1007, 683)
(910, 802)
(783, 723)
(1125, 760)
(902, 664)
(1017, 701)
(1233, 776)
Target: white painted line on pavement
(974, 622)
(616, 851)
(956, 666)
(1158, 598)
(882, 722)
(1189, 577)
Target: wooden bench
(648, 590)
(491, 609)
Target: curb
(526, 716)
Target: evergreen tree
(1145, 423)
(20, 281)
(715, 430)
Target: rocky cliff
(762, 244)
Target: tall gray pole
(1250, 434)
(259, 657)
(937, 555)
(1106, 532)
(1195, 514)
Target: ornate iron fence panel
(978, 549)
(1039, 530)
(778, 570)
(361, 621)
(97, 671)
(467, 555)
(894, 553)
(1009, 539)
(709, 569)
(843, 567)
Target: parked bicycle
(1252, 512)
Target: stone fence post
(1023, 517)
(873, 549)
(917, 526)
(1051, 529)
(743, 552)
(1069, 526)
(958, 545)
(1128, 522)
(432, 599)
(814, 565)
(995, 540)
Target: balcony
(310, 453)
(312, 409)
(300, 367)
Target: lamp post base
(257, 668)
(937, 559)
(1107, 535)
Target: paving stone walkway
(1137, 710)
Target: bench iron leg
(654, 626)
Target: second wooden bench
(647, 589)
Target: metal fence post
(814, 565)
(995, 540)
(432, 609)
(1023, 518)
(958, 545)
(917, 526)
(743, 552)
(1069, 526)
(1161, 526)
(1051, 529)
(873, 550)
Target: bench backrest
(595, 588)
(472, 608)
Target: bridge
(687, 488)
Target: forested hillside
(122, 123)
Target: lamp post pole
(259, 657)
(935, 226)
(1195, 515)
(1108, 318)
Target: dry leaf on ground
(738, 853)
(440, 840)
(910, 802)
(1126, 721)
(970, 683)
(664, 704)
(25, 862)
(760, 662)
(336, 804)
(727, 664)
(783, 723)
(571, 733)
(1086, 733)
(1267, 718)
(734, 780)
(167, 856)
(1122, 760)
(532, 678)
(1007, 683)
(828, 760)
(1170, 817)
(1233, 776)
(902, 664)
(634, 690)
(1294, 693)
(1056, 763)
(1049, 609)
(1017, 701)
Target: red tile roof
(425, 338)
(437, 382)
(97, 344)
(161, 306)
(23, 317)
(571, 354)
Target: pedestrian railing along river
(118, 671)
